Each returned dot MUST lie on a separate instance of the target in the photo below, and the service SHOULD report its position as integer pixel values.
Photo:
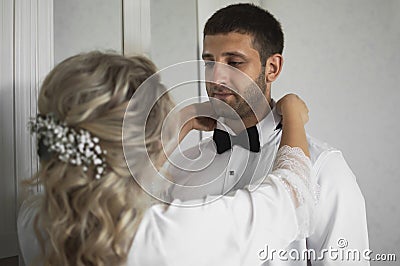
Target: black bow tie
(248, 139)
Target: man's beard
(244, 105)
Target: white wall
(82, 26)
(343, 58)
(174, 40)
(173, 31)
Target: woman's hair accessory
(76, 148)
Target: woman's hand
(292, 107)
(199, 116)
(294, 116)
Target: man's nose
(220, 73)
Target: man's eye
(235, 63)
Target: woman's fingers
(292, 104)
(199, 116)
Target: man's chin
(225, 110)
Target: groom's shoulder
(321, 151)
(328, 160)
(334, 173)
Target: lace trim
(294, 160)
(293, 168)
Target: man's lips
(222, 95)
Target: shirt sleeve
(236, 229)
(341, 216)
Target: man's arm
(341, 216)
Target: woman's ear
(273, 67)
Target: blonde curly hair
(82, 220)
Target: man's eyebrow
(238, 54)
(225, 54)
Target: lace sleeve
(293, 168)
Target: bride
(92, 212)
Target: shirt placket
(235, 167)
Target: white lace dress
(237, 229)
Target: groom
(250, 39)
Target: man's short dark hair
(249, 19)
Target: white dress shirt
(340, 215)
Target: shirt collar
(269, 124)
(266, 127)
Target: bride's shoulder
(28, 242)
(29, 208)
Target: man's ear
(273, 67)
